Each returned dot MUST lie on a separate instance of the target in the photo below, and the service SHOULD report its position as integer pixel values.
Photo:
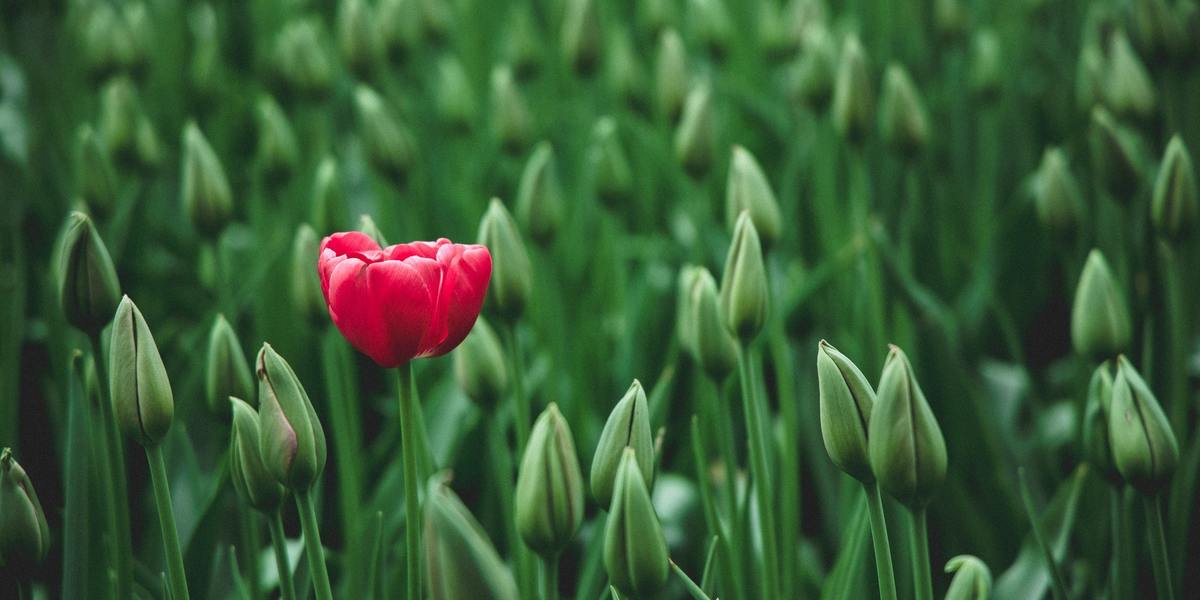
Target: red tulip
(405, 301)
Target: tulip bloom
(404, 301)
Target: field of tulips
(737, 299)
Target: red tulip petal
(468, 271)
(402, 294)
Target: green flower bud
(549, 493)
(359, 38)
(695, 138)
(635, 551)
(107, 44)
(846, 401)
(1089, 76)
(480, 367)
(711, 24)
(810, 80)
(581, 37)
(454, 96)
(305, 284)
(1055, 192)
(853, 98)
(149, 148)
(612, 173)
(539, 195)
(1128, 89)
(1096, 447)
(653, 16)
(141, 392)
(301, 60)
(250, 478)
(1173, 209)
(685, 309)
(523, 44)
(511, 120)
(278, 151)
(987, 66)
(1100, 322)
(744, 289)
(389, 145)
(24, 534)
(512, 274)
(399, 26)
(119, 118)
(780, 38)
(670, 74)
(328, 203)
(88, 290)
(903, 121)
(972, 578)
(228, 373)
(367, 225)
(435, 19)
(94, 173)
(292, 441)
(949, 19)
(748, 189)
(1143, 445)
(628, 426)
(715, 348)
(207, 198)
(624, 70)
(908, 454)
(1158, 32)
(1116, 155)
(460, 561)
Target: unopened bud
(624, 70)
(24, 534)
(972, 579)
(94, 174)
(670, 74)
(119, 116)
(1097, 450)
(1100, 322)
(88, 290)
(292, 440)
(479, 366)
(549, 492)
(628, 426)
(846, 400)
(250, 478)
(1174, 205)
(612, 173)
(329, 203)
(810, 80)
(367, 225)
(523, 44)
(300, 58)
(305, 284)
(581, 36)
(460, 561)
(141, 392)
(1055, 192)
(512, 274)
(454, 95)
(695, 138)
(908, 454)
(1143, 445)
(635, 550)
(748, 189)
(853, 98)
(986, 64)
(358, 33)
(389, 144)
(711, 24)
(540, 196)
(1128, 89)
(744, 289)
(715, 348)
(207, 199)
(1116, 156)
(511, 120)
(228, 372)
(903, 122)
(277, 153)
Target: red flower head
(405, 301)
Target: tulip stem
(117, 495)
(166, 521)
(696, 591)
(1158, 547)
(312, 545)
(922, 578)
(883, 548)
(760, 471)
(412, 508)
(1117, 591)
(1059, 587)
(287, 589)
(550, 577)
(520, 400)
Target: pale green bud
(329, 203)
(612, 173)
(149, 148)
(119, 117)
(949, 19)
(581, 36)
(141, 392)
(301, 60)
(1100, 322)
(695, 137)
(523, 44)
(292, 441)
(94, 174)
(204, 69)
(710, 23)
(511, 121)
(549, 492)
(670, 74)
(278, 151)
(1174, 205)
(24, 534)
(972, 579)
(389, 145)
(908, 454)
(903, 122)
(358, 34)
(748, 189)
(624, 70)
(715, 348)
(453, 93)
(987, 66)
(1089, 76)
(249, 476)
(635, 550)
(460, 561)
(1143, 444)
(846, 399)
(744, 289)
(305, 284)
(653, 16)
(685, 309)
(228, 372)
(1128, 90)
(512, 273)
(1116, 155)
(88, 290)
(207, 199)
(367, 225)
(853, 98)
(540, 195)
(1097, 450)
(628, 426)
(1055, 192)
(810, 79)
(399, 26)
(480, 367)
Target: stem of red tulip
(287, 590)
(879, 538)
(117, 495)
(166, 521)
(412, 508)
(312, 545)
(761, 472)
(922, 578)
(1158, 547)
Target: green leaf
(1028, 576)
(849, 571)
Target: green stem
(118, 498)
(312, 545)
(502, 473)
(550, 577)
(520, 400)
(412, 508)
(166, 520)
(1158, 547)
(1116, 584)
(251, 542)
(24, 590)
(287, 590)
(346, 427)
(883, 548)
(1176, 316)
(922, 578)
(693, 589)
(769, 571)
(1060, 588)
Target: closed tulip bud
(141, 392)
(207, 198)
(670, 74)
(1173, 209)
(1055, 192)
(685, 309)
(278, 150)
(949, 19)
(512, 274)
(748, 189)
(228, 373)
(611, 170)
(779, 37)
(1100, 322)
(329, 203)
(399, 26)
(653, 16)
(853, 98)
(1157, 31)
(88, 291)
(540, 196)
(389, 144)
(1116, 155)
(744, 289)
(511, 120)
(710, 23)
(149, 148)
(24, 534)
(972, 579)
(903, 122)
(367, 225)
(581, 36)
(358, 35)
(635, 550)
(628, 426)
(523, 44)
(908, 454)
(460, 561)
(94, 173)
(810, 81)
(305, 284)
(624, 70)
(119, 116)
(695, 138)
(1143, 444)
(1097, 450)
(1128, 89)
(549, 492)
(987, 66)
(435, 19)
(250, 478)
(715, 348)
(846, 400)
(108, 45)
(300, 58)
(454, 96)
(479, 366)
(1089, 76)
(292, 440)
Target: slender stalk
(312, 546)
(760, 471)
(251, 542)
(1176, 315)
(502, 473)
(883, 548)
(1116, 584)
(287, 590)
(1060, 588)
(696, 592)
(166, 520)
(922, 578)
(520, 400)
(118, 498)
(550, 577)
(412, 508)
(24, 590)
(1158, 547)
